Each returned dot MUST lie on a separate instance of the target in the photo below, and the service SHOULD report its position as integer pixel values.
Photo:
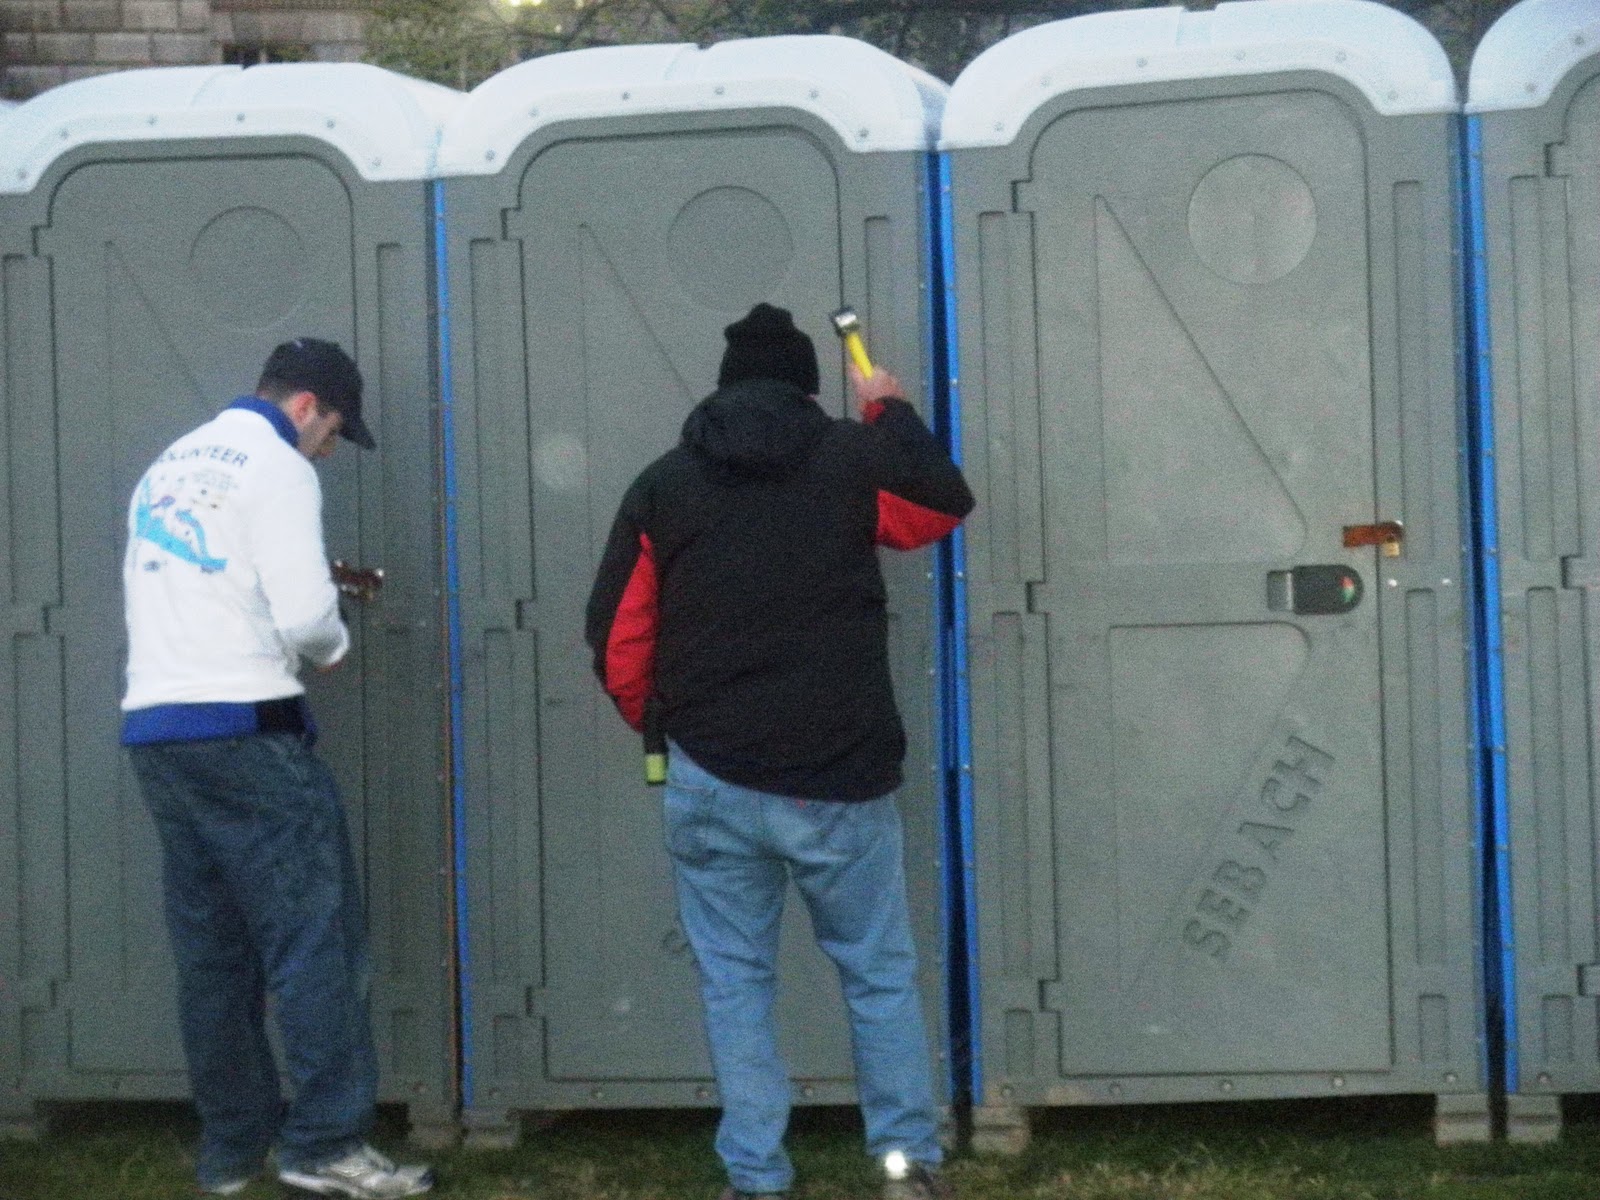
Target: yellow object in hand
(655, 769)
(848, 327)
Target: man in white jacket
(227, 588)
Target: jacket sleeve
(921, 494)
(286, 537)
(623, 613)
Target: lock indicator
(1315, 589)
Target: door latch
(1385, 535)
(1316, 589)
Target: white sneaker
(907, 1180)
(363, 1174)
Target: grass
(1377, 1149)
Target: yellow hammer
(848, 327)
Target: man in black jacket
(740, 603)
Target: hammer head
(845, 322)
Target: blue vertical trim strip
(934, 357)
(458, 806)
(1500, 932)
(959, 679)
(1463, 274)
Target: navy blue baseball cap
(328, 373)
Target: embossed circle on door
(730, 247)
(1252, 219)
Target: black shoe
(920, 1182)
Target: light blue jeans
(733, 852)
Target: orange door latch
(1386, 535)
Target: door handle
(1315, 589)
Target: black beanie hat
(766, 345)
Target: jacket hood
(755, 429)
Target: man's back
(225, 579)
(756, 534)
(772, 666)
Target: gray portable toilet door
(1548, 439)
(1207, 421)
(167, 274)
(637, 250)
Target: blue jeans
(262, 898)
(733, 852)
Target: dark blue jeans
(262, 899)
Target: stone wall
(49, 42)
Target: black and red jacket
(740, 587)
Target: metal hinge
(535, 1001)
(1589, 979)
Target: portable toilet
(607, 213)
(1220, 739)
(162, 230)
(1534, 140)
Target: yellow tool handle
(655, 769)
(858, 353)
